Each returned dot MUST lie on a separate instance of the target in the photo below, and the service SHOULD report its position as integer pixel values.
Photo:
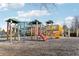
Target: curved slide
(44, 37)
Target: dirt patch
(62, 47)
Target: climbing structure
(49, 28)
(12, 29)
(36, 30)
(53, 31)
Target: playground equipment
(36, 30)
(54, 31)
(12, 29)
(43, 36)
(57, 31)
(51, 31)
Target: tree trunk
(77, 32)
(68, 32)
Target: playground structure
(49, 31)
(37, 30)
(54, 31)
(12, 30)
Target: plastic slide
(44, 37)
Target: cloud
(36, 13)
(6, 6)
(3, 6)
(15, 5)
(24, 19)
(59, 3)
(59, 22)
(69, 18)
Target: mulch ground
(53, 47)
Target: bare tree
(75, 25)
(65, 30)
(47, 6)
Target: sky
(30, 11)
